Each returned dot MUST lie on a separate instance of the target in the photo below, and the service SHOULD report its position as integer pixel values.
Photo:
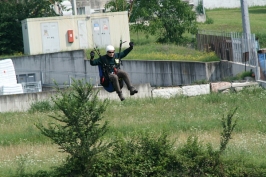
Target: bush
(239, 76)
(77, 130)
(143, 155)
(209, 20)
(196, 161)
(147, 155)
(42, 106)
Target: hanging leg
(114, 79)
(122, 74)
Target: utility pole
(74, 4)
(246, 31)
(245, 17)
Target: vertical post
(41, 74)
(245, 17)
(246, 28)
(74, 4)
(69, 79)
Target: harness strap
(107, 67)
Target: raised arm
(126, 51)
(93, 61)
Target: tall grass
(180, 117)
(22, 144)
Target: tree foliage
(117, 5)
(77, 129)
(168, 19)
(12, 13)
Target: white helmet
(109, 47)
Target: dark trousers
(114, 79)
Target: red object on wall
(70, 36)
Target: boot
(133, 90)
(120, 94)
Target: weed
(42, 106)
(209, 20)
(228, 126)
(21, 162)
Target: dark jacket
(110, 62)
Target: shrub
(239, 76)
(143, 155)
(146, 155)
(42, 106)
(197, 161)
(78, 131)
(209, 20)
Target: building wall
(33, 34)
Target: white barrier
(8, 80)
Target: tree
(167, 19)
(117, 5)
(12, 13)
(76, 129)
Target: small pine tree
(77, 130)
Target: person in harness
(111, 68)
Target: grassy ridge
(230, 20)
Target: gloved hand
(131, 44)
(92, 54)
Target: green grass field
(22, 145)
(230, 20)
(181, 117)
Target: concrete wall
(62, 66)
(53, 66)
(22, 102)
(145, 75)
(35, 38)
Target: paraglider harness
(105, 69)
